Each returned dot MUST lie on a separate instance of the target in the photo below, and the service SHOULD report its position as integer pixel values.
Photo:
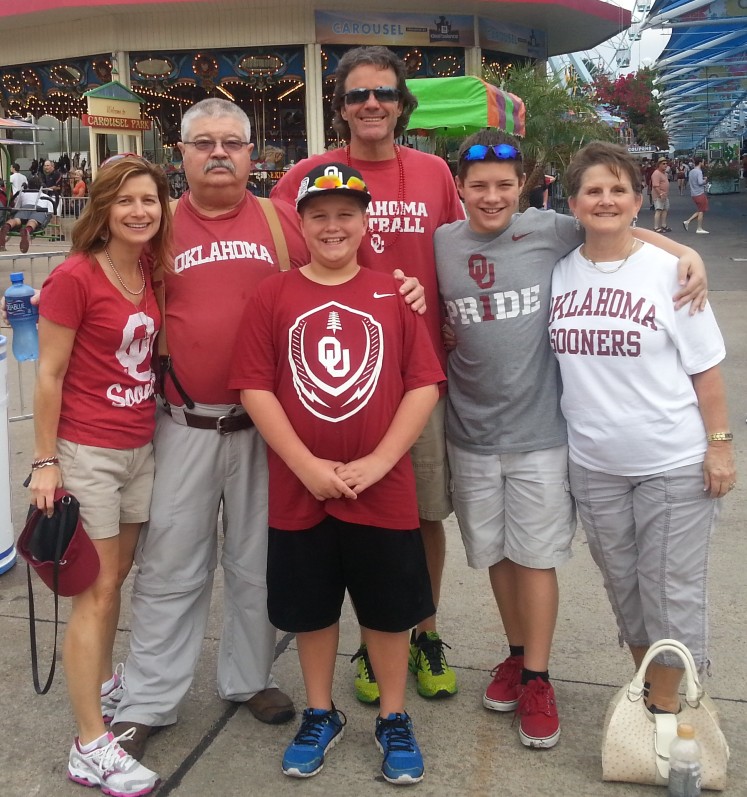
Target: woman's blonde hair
(91, 231)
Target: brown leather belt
(224, 424)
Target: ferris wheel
(609, 58)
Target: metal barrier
(36, 266)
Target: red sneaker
(538, 715)
(502, 693)
(4, 232)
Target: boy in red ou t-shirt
(340, 376)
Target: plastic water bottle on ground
(684, 763)
(22, 316)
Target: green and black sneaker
(428, 662)
(366, 688)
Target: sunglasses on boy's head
(504, 152)
(381, 93)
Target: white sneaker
(109, 767)
(110, 700)
(702, 232)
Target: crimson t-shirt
(108, 389)
(339, 358)
(218, 263)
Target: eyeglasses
(504, 152)
(381, 93)
(232, 146)
(120, 156)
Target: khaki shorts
(432, 475)
(113, 486)
(514, 506)
(662, 204)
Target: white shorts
(514, 506)
(112, 485)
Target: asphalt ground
(218, 748)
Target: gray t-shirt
(503, 382)
(696, 182)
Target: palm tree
(558, 124)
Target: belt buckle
(219, 425)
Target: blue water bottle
(22, 316)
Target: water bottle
(684, 763)
(22, 316)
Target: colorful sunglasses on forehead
(503, 152)
(331, 181)
(121, 156)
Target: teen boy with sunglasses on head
(505, 435)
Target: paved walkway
(219, 749)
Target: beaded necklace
(609, 270)
(400, 192)
(121, 281)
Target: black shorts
(384, 570)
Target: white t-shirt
(17, 182)
(37, 199)
(626, 357)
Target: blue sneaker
(403, 762)
(320, 730)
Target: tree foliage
(631, 96)
(558, 124)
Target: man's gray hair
(214, 108)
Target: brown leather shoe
(271, 706)
(136, 745)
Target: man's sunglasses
(381, 93)
(504, 152)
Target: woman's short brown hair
(91, 231)
(602, 153)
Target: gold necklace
(609, 270)
(121, 281)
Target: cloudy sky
(643, 52)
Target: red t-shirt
(218, 263)
(402, 218)
(108, 390)
(339, 358)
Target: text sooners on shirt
(108, 390)
(339, 358)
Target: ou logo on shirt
(335, 355)
(134, 351)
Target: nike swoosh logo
(519, 237)
(383, 295)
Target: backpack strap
(276, 230)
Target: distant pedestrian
(697, 183)
(660, 195)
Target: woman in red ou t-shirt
(94, 419)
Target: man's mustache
(219, 163)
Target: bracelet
(720, 437)
(37, 464)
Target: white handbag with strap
(635, 742)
